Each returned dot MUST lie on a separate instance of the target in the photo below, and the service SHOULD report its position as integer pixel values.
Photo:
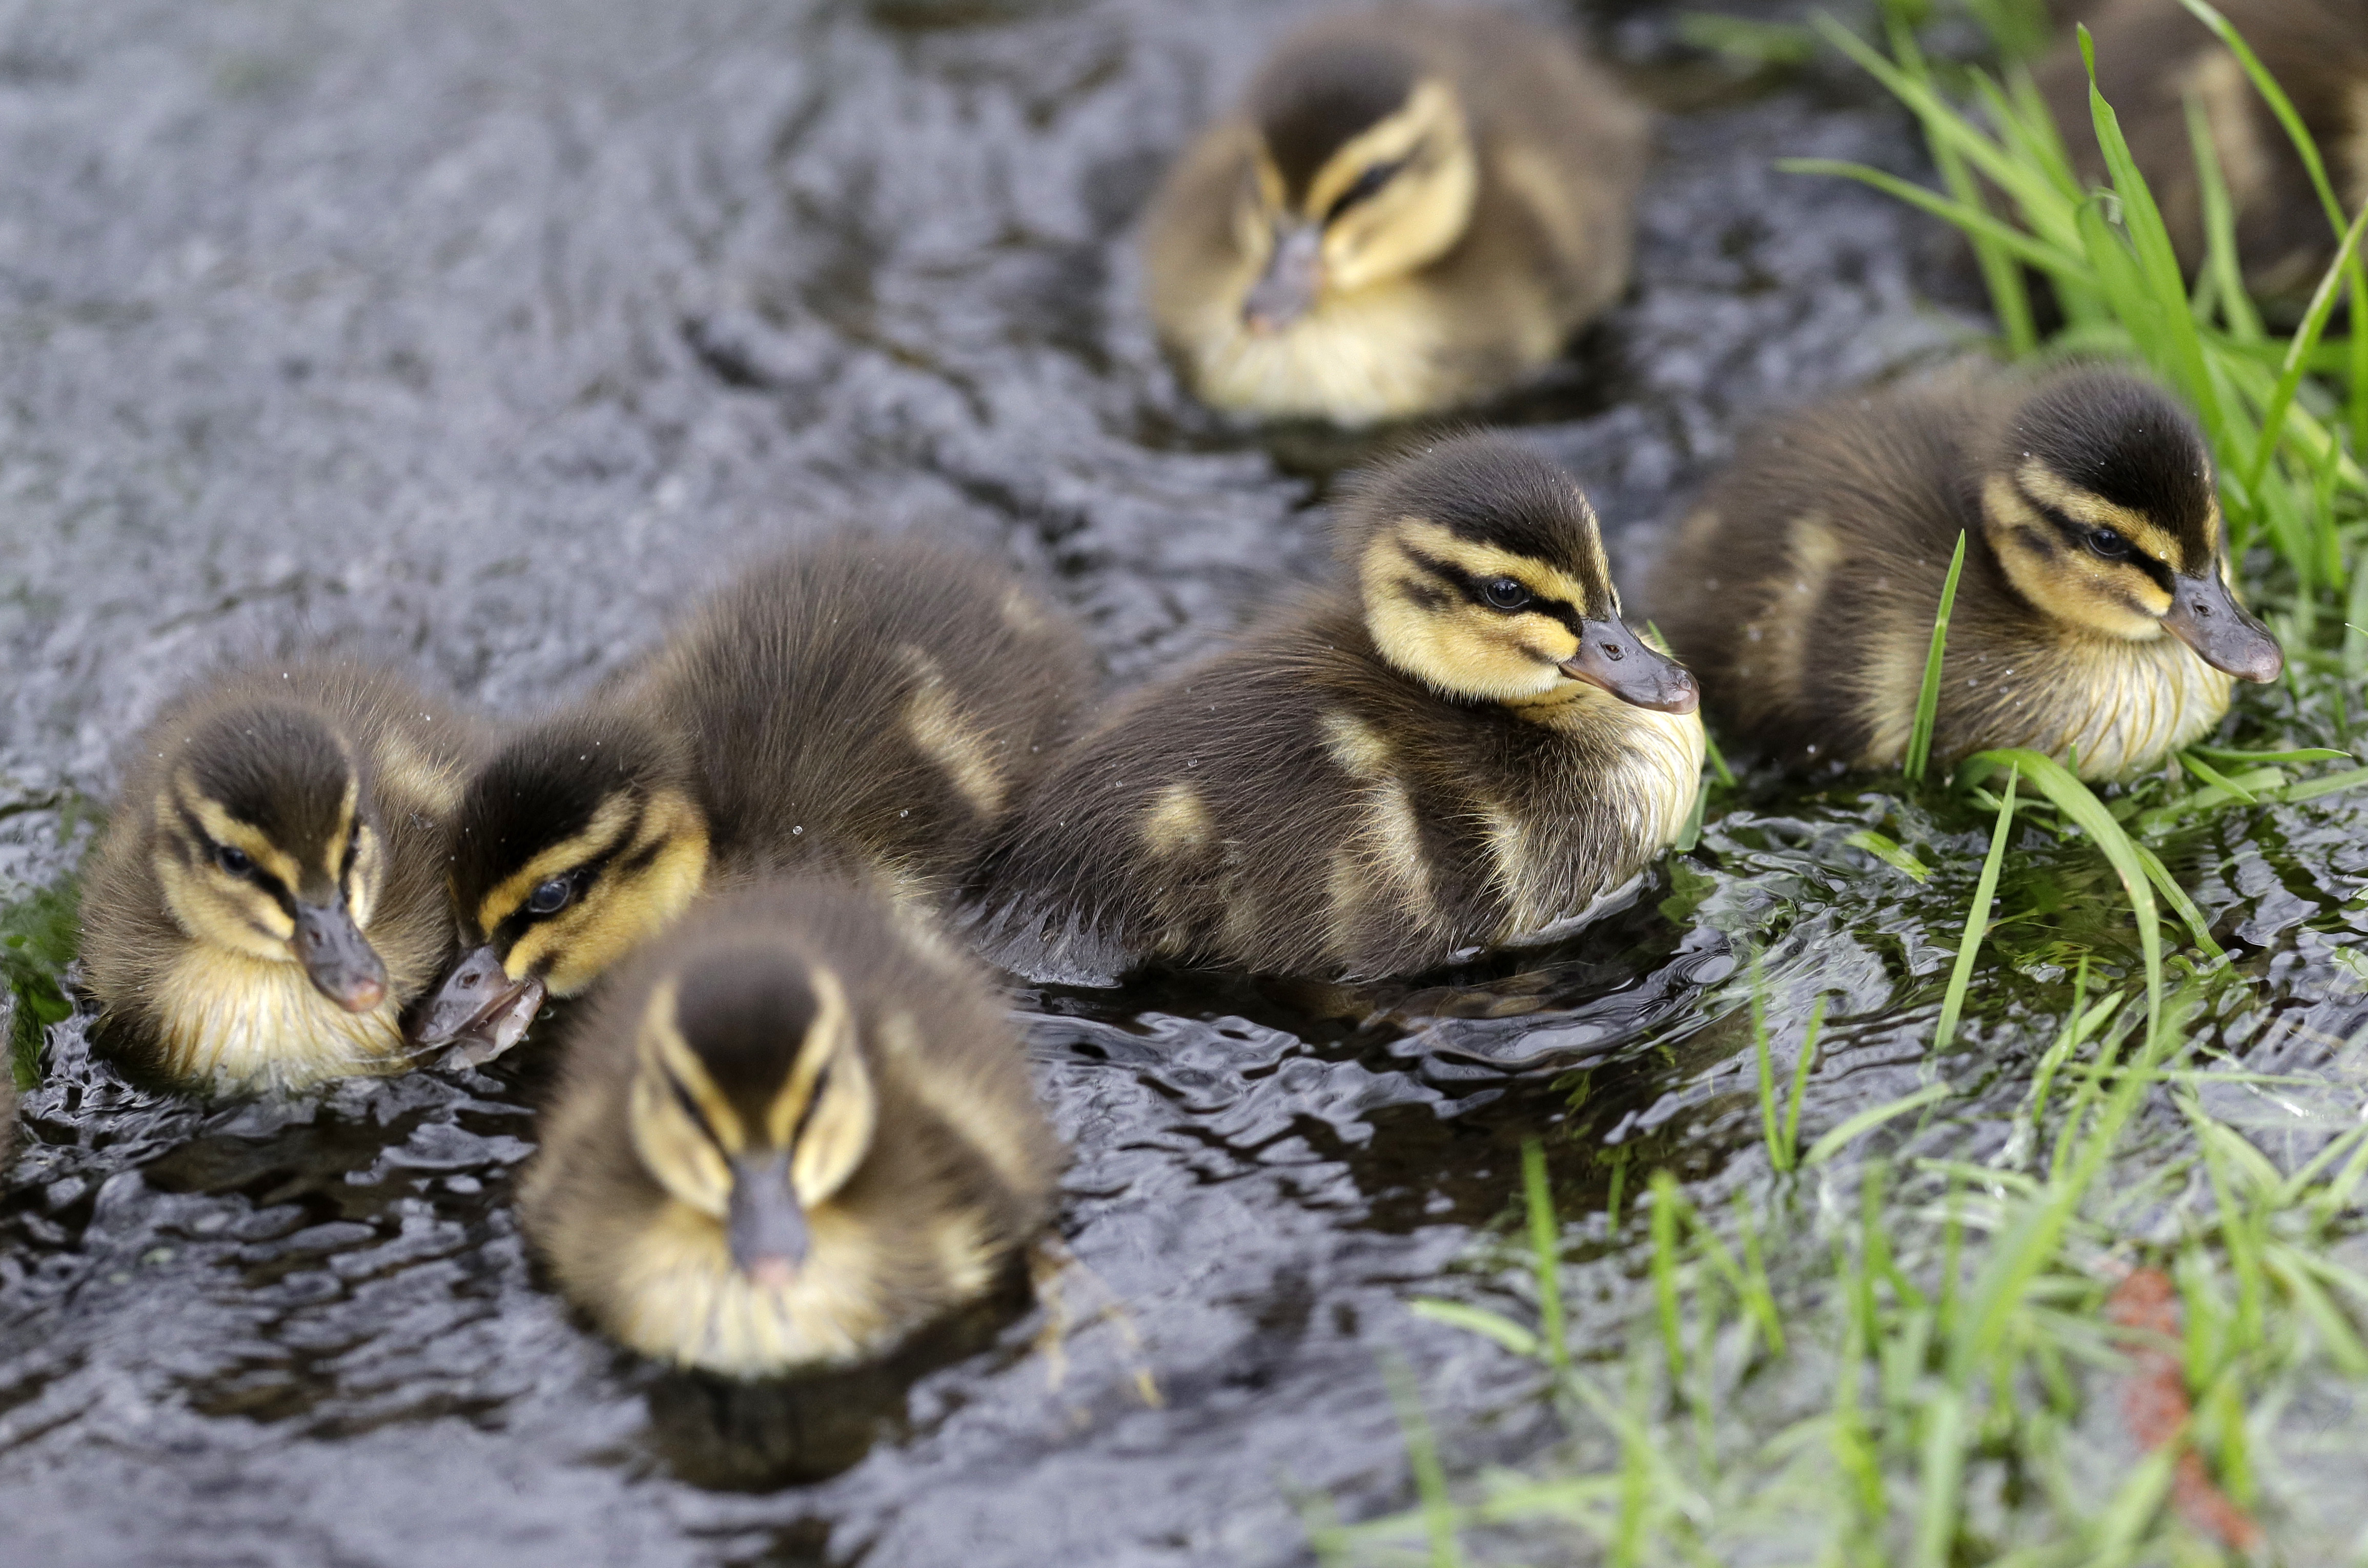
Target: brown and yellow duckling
(269, 893)
(868, 709)
(1459, 745)
(1413, 208)
(2095, 616)
(2152, 57)
(786, 1136)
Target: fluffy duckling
(269, 892)
(786, 1136)
(1413, 208)
(2094, 618)
(2152, 56)
(864, 708)
(1460, 745)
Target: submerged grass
(1908, 1343)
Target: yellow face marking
(839, 1129)
(223, 828)
(671, 1145)
(943, 733)
(2095, 511)
(2114, 598)
(620, 910)
(1436, 633)
(1419, 213)
(607, 823)
(1178, 822)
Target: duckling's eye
(2109, 543)
(552, 896)
(1507, 593)
(1363, 187)
(236, 861)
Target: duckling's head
(751, 1102)
(1483, 575)
(1364, 170)
(2101, 507)
(266, 845)
(578, 842)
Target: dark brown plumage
(864, 708)
(2152, 55)
(1414, 207)
(258, 813)
(1803, 589)
(1425, 759)
(787, 1135)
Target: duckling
(864, 708)
(2152, 56)
(269, 892)
(787, 1135)
(1413, 208)
(1460, 745)
(2094, 620)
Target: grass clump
(1949, 1329)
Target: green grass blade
(1545, 1247)
(2314, 322)
(2081, 805)
(1801, 1077)
(1780, 1154)
(2220, 261)
(2051, 260)
(1928, 695)
(1887, 850)
(1977, 919)
(1867, 1121)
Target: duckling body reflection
(2153, 58)
(1413, 208)
(1462, 745)
(786, 1136)
(2094, 618)
(868, 709)
(269, 893)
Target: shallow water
(477, 335)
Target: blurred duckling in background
(864, 708)
(2152, 57)
(2094, 618)
(269, 893)
(1412, 209)
(1460, 745)
(786, 1136)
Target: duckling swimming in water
(864, 708)
(787, 1136)
(2152, 55)
(1460, 745)
(269, 892)
(2094, 616)
(1413, 208)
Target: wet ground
(477, 335)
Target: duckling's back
(873, 706)
(1798, 582)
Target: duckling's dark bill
(765, 1229)
(1294, 277)
(1611, 656)
(479, 1009)
(2207, 617)
(337, 957)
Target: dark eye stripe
(583, 875)
(1366, 184)
(682, 1098)
(265, 880)
(1476, 589)
(2076, 535)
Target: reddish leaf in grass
(2155, 1405)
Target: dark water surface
(477, 335)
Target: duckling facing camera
(787, 1136)
(269, 893)
(2094, 619)
(1413, 208)
(1462, 746)
(865, 708)
(2154, 58)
